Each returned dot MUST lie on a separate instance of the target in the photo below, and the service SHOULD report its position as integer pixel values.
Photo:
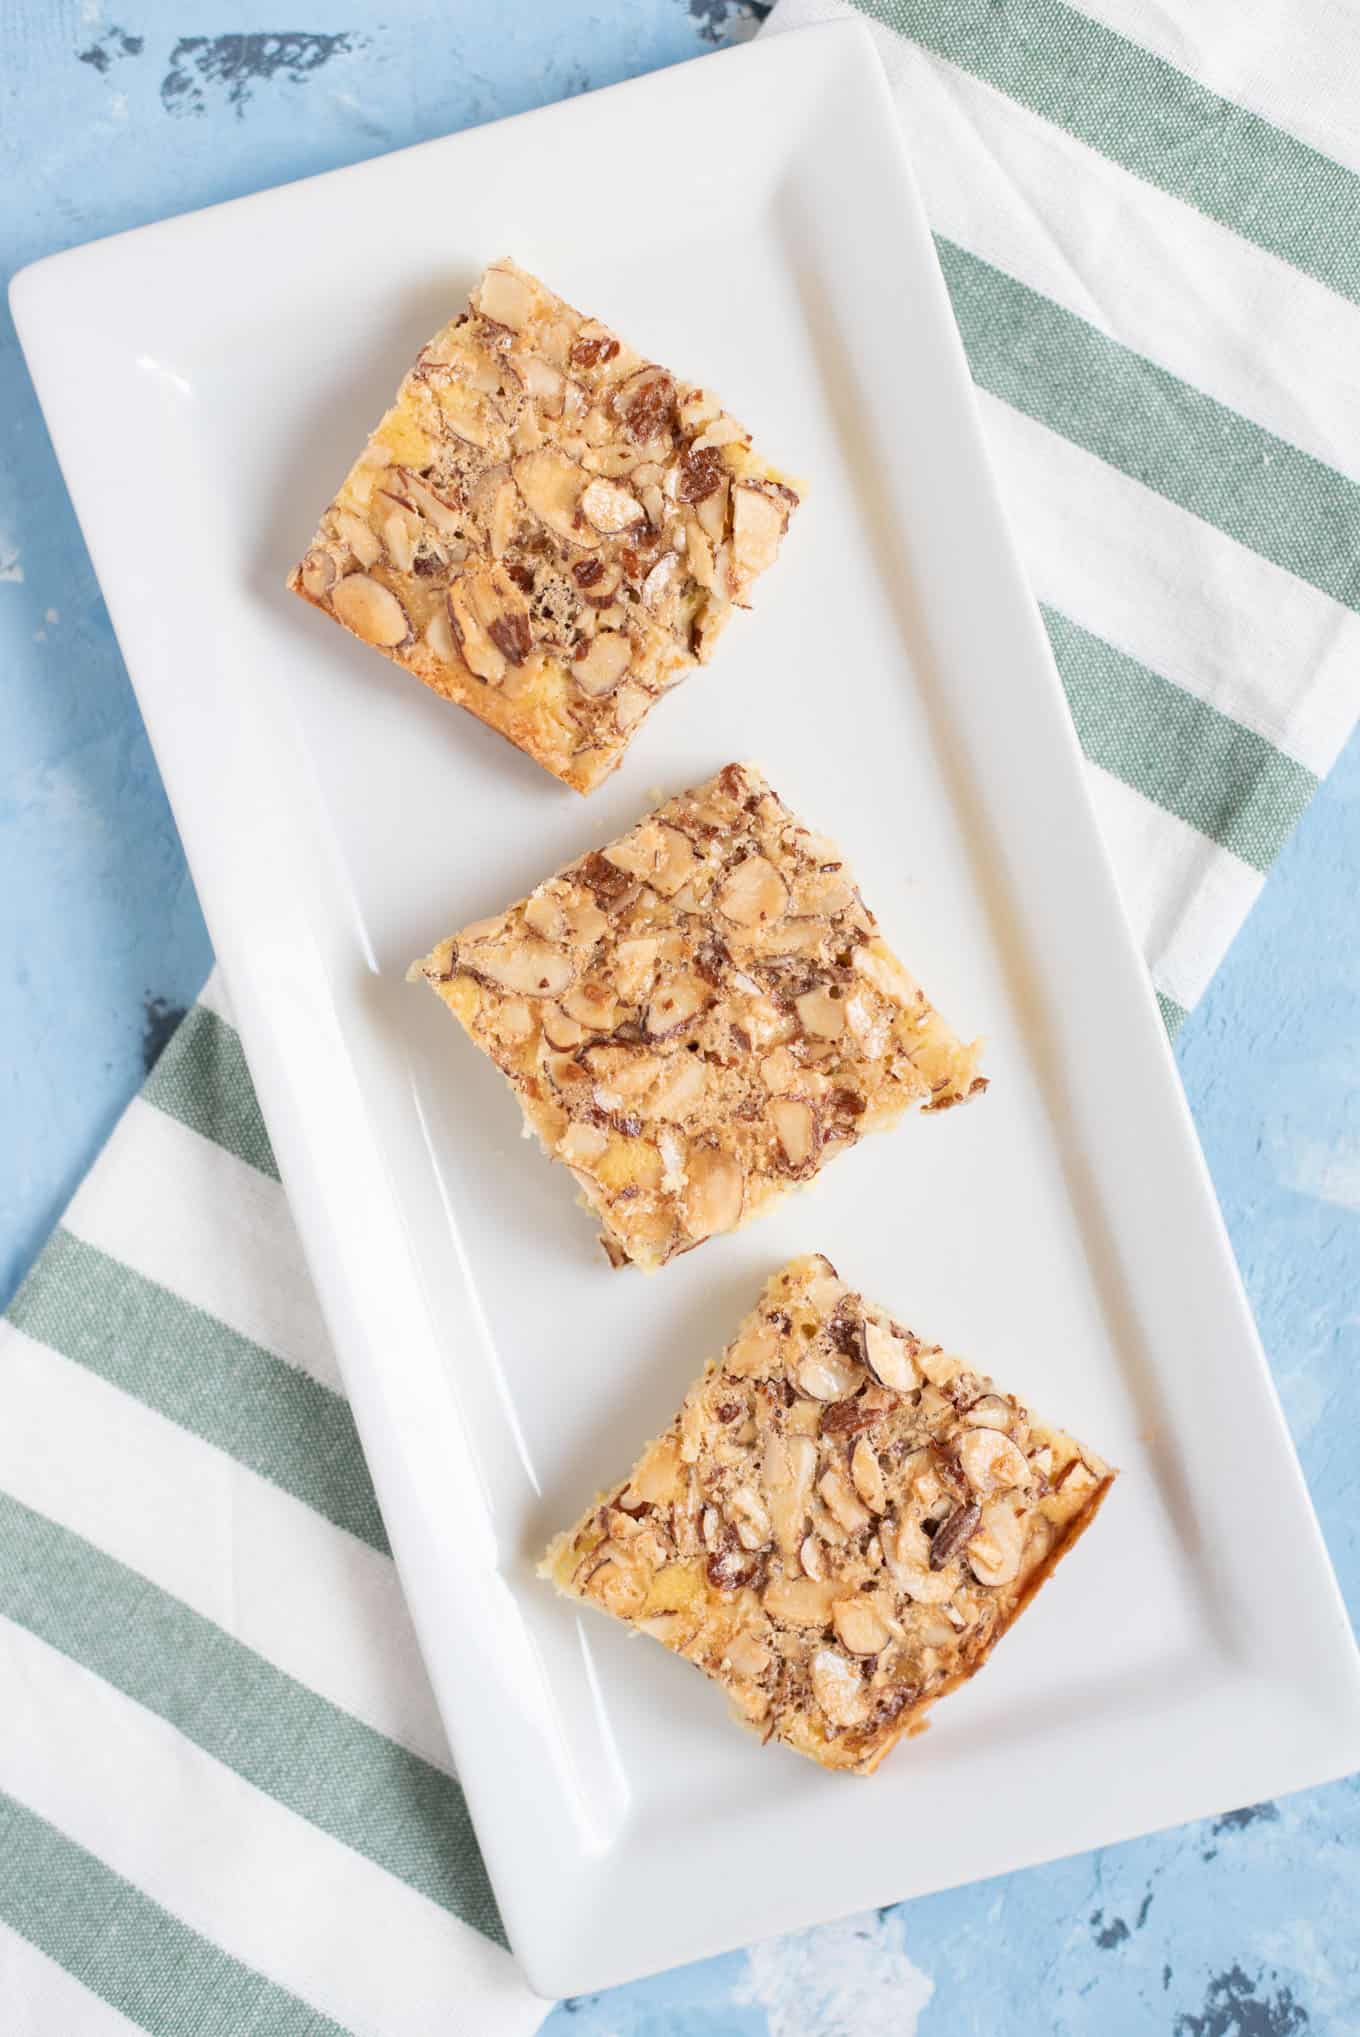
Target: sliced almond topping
(318, 572)
(401, 545)
(544, 384)
(757, 527)
(630, 704)
(713, 1197)
(592, 1005)
(746, 1655)
(657, 1478)
(954, 1534)
(754, 894)
(889, 1358)
(786, 1473)
(675, 1004)
(505, 297)
(531, 967)
(858, 1627)
(610, 508)
(599, 669)
(867, 1473)
(441, 514)
(995, 1550)
(682, 1082)
(799, 1601)
(829, 1376)
(991, 1462)
(795, 1125)
(662, 583)
(821, 1014)
(580, 1144)
(551, 485)
(838, 1688)
(544, 915)
(835, 1490)
(646, 403)
(812, 1556)
(365, 543)
(748, 1516)
(877, 964)
(439, 637)
(559, 1030)
(371, 610)
(990, 1412)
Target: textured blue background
(1249, 1927)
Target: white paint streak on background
(1328, 1170)
(851, 1979)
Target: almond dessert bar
(839, 1525)
(547, 527)
(699, 1015)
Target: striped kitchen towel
(1148, 218)
(227, 1807)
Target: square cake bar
(839, 1525)
(546, 527)
(700, 1015)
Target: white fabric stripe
(314, 1601)
(1173, 592)
(1139, 265)
(41, 1999)
(1258, 57)
(1185, 898)
(214, 1230)
(311, 1915)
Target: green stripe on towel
(348, 1780)
(127, 1950)
(1182, 754)
(202, 1079)
(1055, 367)
(194, 1370)
(1140, 111)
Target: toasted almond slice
(362, 540)
(991, 1462)
(581, 1144)
(551, 485)
(867, 1473)
(599, 669)
(757, 526)
(838, 1688)
(835, 1490)
(747, 1512)
(318, 572)
(827, 1375)
(995, 1550)
(610, 508)
(858, 1627)
(889, 1358)
(371, 610)
(675, 1004)
(713, 1196)
(821, 1014)
(530, 966)
(506, 297)
(802, 1601)
(795, 1125)
(754, 895)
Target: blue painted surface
(117, 115)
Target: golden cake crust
(547, 528)
(699, 1016)
(840, 1524)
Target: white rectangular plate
(207, 382)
